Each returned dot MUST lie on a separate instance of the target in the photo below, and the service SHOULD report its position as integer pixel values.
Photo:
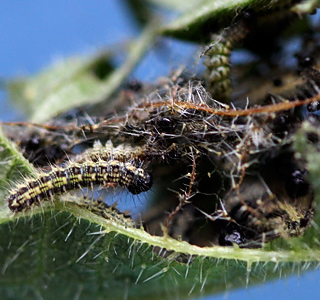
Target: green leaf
(76, 81)
(140, 10)
(177, 5)
(200, 18)
(311, 154)
(220, 12)
(57, 255)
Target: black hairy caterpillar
(74, 176)
(102, 209)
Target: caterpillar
(260, 212)
(102, 209)
(217, 59)
(75, 176)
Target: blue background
(36, 33)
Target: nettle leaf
(177, 5)
(76, 81)
(200, 18)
